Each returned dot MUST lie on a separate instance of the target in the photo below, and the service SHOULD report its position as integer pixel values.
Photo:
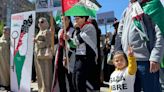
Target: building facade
(8, 7)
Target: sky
(117, 6)
(112, 5)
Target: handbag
(44, 54)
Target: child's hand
(130, 51)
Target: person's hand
(130, 51)
(34, 40)
(154, 66)
(66, 37)
(75, 25)
(65, 62)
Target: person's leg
(61, 77)
(33, 70)
(162, 75)
(93, 74)
(138, 80)
(48, 75)
(106, 70)
(70, 81)
(152, 83)
(146, 80)
(80, 82)
(74, 81)
(80, 75)
(39, 74)
(111, 69)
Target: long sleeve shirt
(123, 80)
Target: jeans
(162, 75)
(145, 80)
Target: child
(122, 79)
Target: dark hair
(116, 23)
(86, 17)
(98, 33)
(121, 52)
(70, 23)
(94, 22)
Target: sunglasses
(41, 21)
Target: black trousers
(85, 70)
(62, 74)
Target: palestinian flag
(80, 8)
(57, 17)
(19, 59)
(155, 10)
(162, 63)
(21, 48)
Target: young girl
(122, 79)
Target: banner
(21, 49)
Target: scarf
(61, 41)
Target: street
(34, 88)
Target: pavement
(34, 88)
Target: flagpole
(66, 49)
(52, 29)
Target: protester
(5, 58)
(108, 53)
(43, 63)
(138, 30)
(108, 37)
(122, 79)
(115, 25)
(106, 67)
(62, 70)
(86, 53)
(96, 80)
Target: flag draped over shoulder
(137, 14)
(162, 63)
(58, 17)
(79, 8)
(155, 10)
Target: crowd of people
(131, 57)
